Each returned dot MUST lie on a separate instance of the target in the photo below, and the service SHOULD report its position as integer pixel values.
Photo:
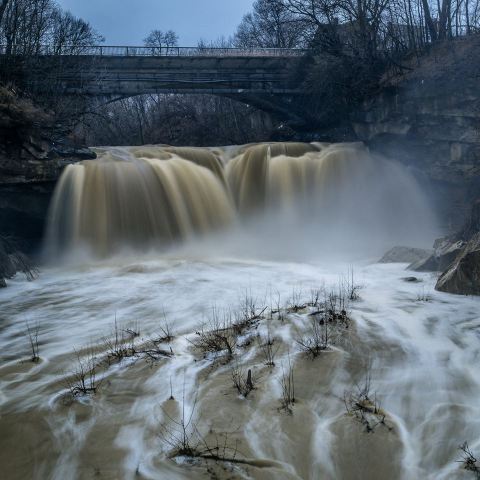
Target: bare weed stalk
(121, 344)
(316, 339)
(219, 335)
(166, 332)
(243, 382)
(349, 287)
(287, 382)
(269, 349)
(248, 315)
(315, 295)
(32, 334)
(83, 380)
(153, 351)
(423, 296)
(185, 440)
(277, 308)
(364, 406)
(295, 303)
(469, 461)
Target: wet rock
(463, 275)
(401, 254)
(462, 250)
(445, 252)
(411, 279)
(70, 151)
(33, 147)
(429, 264)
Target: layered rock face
(31, 161)
(428, 117)
(463, 275)
(32, 147)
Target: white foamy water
(423, 357)
(258, 228)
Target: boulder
(445, 252)
(463, 275)
(401, 254)
(411, 279)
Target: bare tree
(176, 120)
(161, 42)
(70, 34)
(373, 28)
(271, 24)
(26, 26)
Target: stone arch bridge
(264, 78)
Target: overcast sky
(127, 22)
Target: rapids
(423, 358)
(271, 229)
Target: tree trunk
(444, 21)
(3, 6)
(467, 17)
(429, 21)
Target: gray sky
(127, 22)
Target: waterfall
(149, 196)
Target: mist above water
(278, 200)
(251, 222)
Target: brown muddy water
(241, 253)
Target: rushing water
(151, 196)
(269, 223)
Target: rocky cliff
(428, 116)
(33, 152)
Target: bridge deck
(112, 73)
(136, 51)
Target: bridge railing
(129, 51)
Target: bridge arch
(267, 79)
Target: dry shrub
(244, 382)
(469, 461)
(269, 349)
(219, 335)
(364, 406)
(184, 439)
(83, 379)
